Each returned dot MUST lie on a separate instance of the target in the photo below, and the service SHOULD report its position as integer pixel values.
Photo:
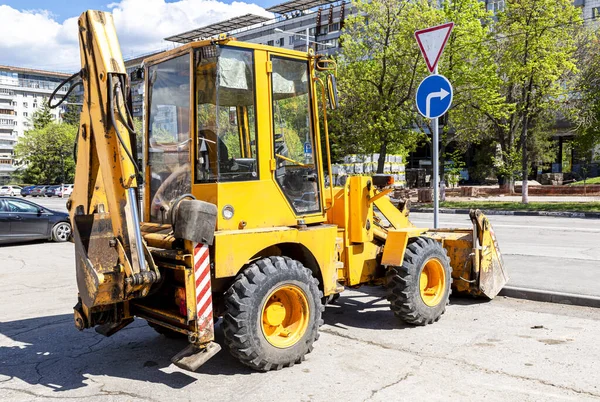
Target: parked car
(22, 220)
(25, 191)
(52, 191)
(10, 190)
(68, 189)
(38, 191)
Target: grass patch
(592, 180)
(517, 206)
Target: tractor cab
(234, 125)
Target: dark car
(25, 191)
(38, 191)
(22, 220)
(52, 191)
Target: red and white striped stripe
(204, 309)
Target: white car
(67, 190)
(10, 190)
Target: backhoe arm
(113, 263)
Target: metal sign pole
(436, 169)
(432, 42)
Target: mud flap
(492, 274)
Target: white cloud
(33, 38)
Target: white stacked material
(357, 164)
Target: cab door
(297, 171)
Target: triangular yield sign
(432, 42)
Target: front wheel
(420, 289)
(273, 314)
(61, 232)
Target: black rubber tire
(403, 283)
(61, 232)
(244, 301)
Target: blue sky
(63, 9)
(43, 33)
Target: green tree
(42, 117)
(47, 154)
(585, 102)
(72, 112)
(469, 65)
(536, 53)
(379, 69)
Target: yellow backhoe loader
(238, 221)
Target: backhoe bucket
(99, 279)
(491, 274)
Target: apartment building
(298, 24)
(22, 91)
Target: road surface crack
(403, 378)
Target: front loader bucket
(492, 275)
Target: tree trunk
(524, 159)
(382, 155)
(525, 170)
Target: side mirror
(332, 92)
(40, 211)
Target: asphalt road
(501, 350)
(547, 253)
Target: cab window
(226, 119)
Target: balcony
(7, 106)
(7, 126)
(40, 86)
(6, 94)
(6, 148)
(7, 167)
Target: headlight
(227, 212)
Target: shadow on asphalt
(51, 352)
(23, 243)
(367, 307)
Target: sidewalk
(589, 215)
(532, 198)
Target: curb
(585, 215)
(549, 296)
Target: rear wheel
(61, 232)
(419, 289)
(273, 313)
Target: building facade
(22, 92)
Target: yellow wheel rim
(432, 282)
(285, 316)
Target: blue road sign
(307, 148)
(434, 96)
